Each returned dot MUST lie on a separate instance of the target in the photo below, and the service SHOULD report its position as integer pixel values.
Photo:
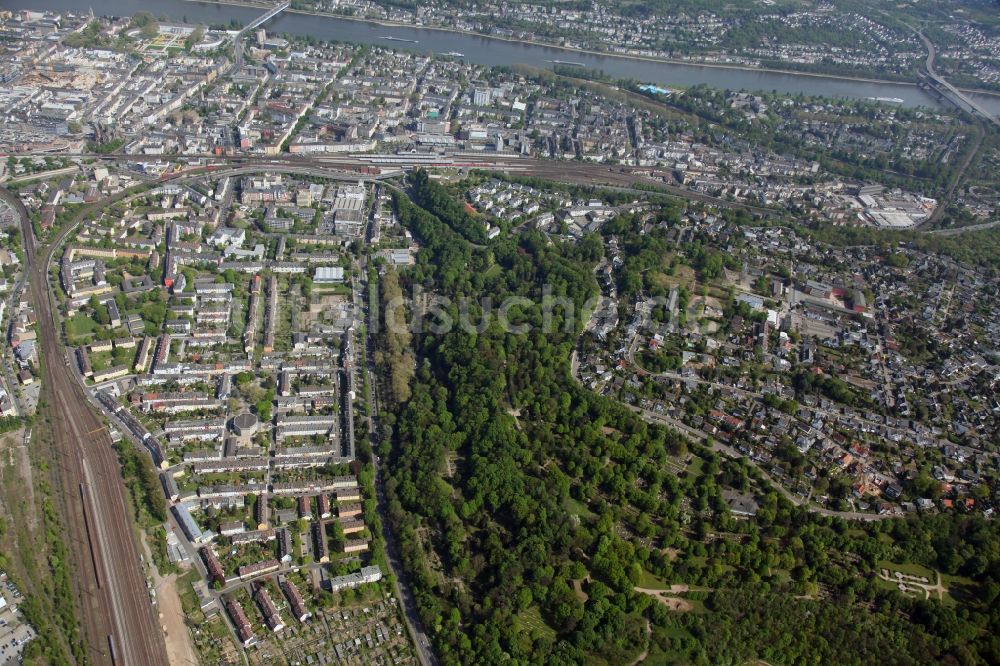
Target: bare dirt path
(645, 653)
(666, 598)
(170, 613)
(180, 649)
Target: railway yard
(242, 399)
(195, 250)
(251, 496)
(118, 619)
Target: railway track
(113, 603)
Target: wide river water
(488, 51)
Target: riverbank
(591, 52)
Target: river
(488, 51)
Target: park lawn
(694, 469)
(782, 575)
(948, 580)
(665, 636)
(577, 508)
(80, 329)
(697, 605)
(909, 569)
(651, 582)
(890, 585)
(948, 600)
(492, 271)
(100, 360)
(530, 621)
(960, 589)
(671, 632)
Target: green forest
(529, 510)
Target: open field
(531, 620)
(651, 582)
(180, 649)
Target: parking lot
(14, 633)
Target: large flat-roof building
(367, 575)
(328, 275)
(194, 533)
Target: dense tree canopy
(528, 508)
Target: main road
(238, 38)
(702, 438)
(117, 616)
(958, 95)
(623, 178)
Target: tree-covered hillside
(538, 520)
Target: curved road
(730, 452)
(940, 80)
(719, 447)
(962, 230)
(970, 154)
